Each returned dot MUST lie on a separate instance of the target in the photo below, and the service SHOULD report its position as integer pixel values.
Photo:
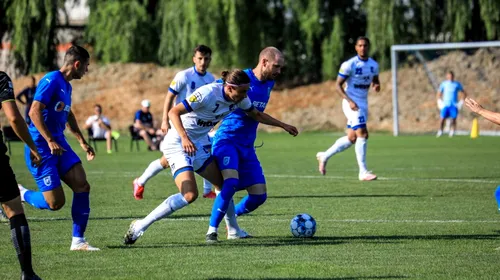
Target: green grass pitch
(431, 215)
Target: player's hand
(55, 148)
(164, 127)
(353, 105)
(188, 146)
(89, 150)
(291, 129)
(36, 158)
(376, 87)
(151, 131)
(473, 105)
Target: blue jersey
(145, 118)
(450, 90)
(54, 92)
(239, 127)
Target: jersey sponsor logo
(195, 97)
(59, 106)
(226, 160)
(193, 85)
(359, 86)
(203, 123)
(258, 104)
(359, 71)
(47, 181)
(172, 83)
(372, 69)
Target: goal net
(417, 72)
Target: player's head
(77, 58)
(202, 55)
(271, 61)
(97, 109)
(362, 46)
(33, 81)
(145, 104)
(450, 75)
(236, 84)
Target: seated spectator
(28, 94)
(143, 125)
(101, 127)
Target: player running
(360, 72)
(233, 146)
(184, 84)
(9, 192)
(184, 144)
(49, 113)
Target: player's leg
(444, 114)
(152, 170)
(341, 144)
(109, 138)
(361, 145)
(147, 138)
(453, 116)
(207, 185)
(20, 233)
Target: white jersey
(207, 106)
(359, 74)
(187, 81)
(97, 130)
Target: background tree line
(315, 35)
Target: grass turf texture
(431, 215)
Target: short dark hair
(98, 106)
(204, 50)
(364, 38)
(76, 53)
(450, 72)
(235, 77)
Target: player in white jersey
(360, 73)
(183, 146)
(184, 84)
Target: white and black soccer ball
(303, 225)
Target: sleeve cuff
(343, 76)
(187, 106)
(172, 91)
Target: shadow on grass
(342, 196)
(313, 278)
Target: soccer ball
(303, 225)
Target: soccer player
(184, 144)
(448, 99)
(9, 192)
(50, 113)
(233, 146)
(360, 72)
(184, 84)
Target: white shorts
(355, 119)
(179, 160)
(99, 133)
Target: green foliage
(490, 14)
(122, 31)
(458, 18)
(333, 49)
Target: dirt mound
(119, 88)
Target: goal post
(421, 47)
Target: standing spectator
(28, 94)
(144, 126)
(101, 127)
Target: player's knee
(258, 199)
(56, 204)
(352, 138)
(229, 188)
(191, 196)
(164, 163)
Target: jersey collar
(253, 77)
(198, 73)
(365, 60)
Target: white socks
(341, 144)
(165, 209)
(360, 148)
(154, 168)
(207, 186)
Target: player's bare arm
(175, 116)
(339, 86)
(267, 119)
(37, 119)
(169, 100)
(376, 83)
(73, 127)
(478, 109)
(17, 123)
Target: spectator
(143, 125)
(101, 127)
(28, 94)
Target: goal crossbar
(418, 47)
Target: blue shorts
(242, 158)
(48, 175)
(449, 112)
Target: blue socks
(249, 203)
(222, 201)
(36, 199)
(80, 212)
(497, 197)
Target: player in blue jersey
(233, 146)
(50, 113)
(448, 101)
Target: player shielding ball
(184, 84)
(50, 113)
(9, 192)
(360, 73)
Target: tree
(333, 49)
(490, 14)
